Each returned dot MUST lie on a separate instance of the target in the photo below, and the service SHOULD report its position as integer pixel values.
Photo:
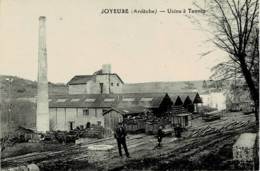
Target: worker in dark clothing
(160, 135)
(120, 135)
(177, 131)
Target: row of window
(86, 112)
(112, 84)
(105, 100)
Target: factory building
(101, 82)
(69, 111)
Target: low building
(115, 115)
(180, 116)
(69, 111)
(158, 103)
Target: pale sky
(139, 47)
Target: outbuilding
(115, 115)
(180, 116)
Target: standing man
(177, 131)
(160, 135)
(120, 134)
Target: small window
(61, 100)
(146, 99)
(90, 100)
(85, 112)
(74, 100)
(112, 84)
(128, 99)
(109, 100)
(117, 84)
(99, 123)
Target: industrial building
(99, 99)
(69, 111)
(101, 82)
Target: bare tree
(233, 27)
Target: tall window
(101, 88)
(117, 84)
(112, 84)
(96, 113)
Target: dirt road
(207, 145)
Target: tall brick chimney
(42, 113)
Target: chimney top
(42, 18)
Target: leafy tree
(233, 27)
(204, 85)
(189, 86)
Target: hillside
(26, 88)
(178, 86)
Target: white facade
(102, 82)
(66, 119)
(214, 99)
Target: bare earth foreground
(207, 145)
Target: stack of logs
(210, 130)
(144, 124)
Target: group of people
(121, 134)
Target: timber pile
(211, 130)
(94, 132)
(143, 123)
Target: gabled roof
(128, 110)
(193, 96)
(82, 101)
(83, 79)
(176, 99)
(146, 100)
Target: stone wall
(78, 89)
(244, 148)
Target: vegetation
(18, 102)
(233, 27)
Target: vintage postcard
(129, 85)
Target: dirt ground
(210, 151)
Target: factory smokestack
(42, 114)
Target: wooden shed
(180, 116)
(115, 115)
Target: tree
(204, 85)
(233, 27)
(189, 86)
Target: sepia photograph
(126, 85)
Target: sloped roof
(83, 79)
(193, 96)
(128, 110)
(80, 79)
(82, 101)
(147, 100)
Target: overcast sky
(139, 47)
